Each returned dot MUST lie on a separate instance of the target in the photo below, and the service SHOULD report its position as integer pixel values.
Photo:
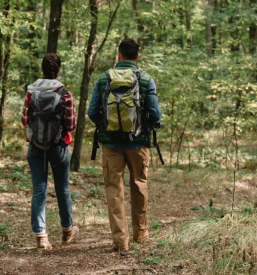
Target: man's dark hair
(129, 49)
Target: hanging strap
(45, 157)
(62, 91)
(95, 145)
(155, 145)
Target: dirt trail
(171, 196)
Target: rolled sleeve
(69, 112)
(152, 105)
(25, 115)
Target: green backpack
(121, 103)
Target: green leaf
(196, 208)
(211, 203)
(10, 203)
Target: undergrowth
(216, 242)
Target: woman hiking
(41, 125)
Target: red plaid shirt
(69, 114)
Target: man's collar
(126, 64)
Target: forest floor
(180, 239)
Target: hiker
(125, 107)
(49, 116)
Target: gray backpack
(46, 112)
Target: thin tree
(253, 29)
(210, 29)
(5, 53)
(54, 25)
(91, 55)
(188, 21)
(140, 23)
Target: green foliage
(10, 203)
(155, 224)
(74, 195)
(3, 234)
(3, 187)
(152, 259)
(94, 191)
(92, 170)
(210, 212)
(207, 208)
(200, 95)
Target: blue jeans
(59, 159)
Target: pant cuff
(67, 228)
(40, 233)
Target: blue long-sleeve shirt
(151, 106)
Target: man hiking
(125, 107)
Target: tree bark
(6, 8)
(234, 20)
(54, 25)
(4, 87)
(90, 60)
(188, 22)
(253, 30)
(33, 71)
(75, 159)
(210, 29)
(140, 24)
(5, 52)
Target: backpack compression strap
(156, 145)
(62, 91)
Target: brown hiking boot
(43, 243)
(142, 238)
(122, 250)
(69, 234)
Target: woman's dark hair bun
(50, 65)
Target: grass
(209, 244)
(3, 234)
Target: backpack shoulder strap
(36, 96)
(108, 76)
(139, 73)
(62, 91)
(144, 79)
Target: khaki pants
(114, 162)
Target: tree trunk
(188, 25)
(140, 24)
(54, 25)
(209, 29)
(253, 30)
(208, 37)
(33, 71)
(5, 13)
(235, 46)
(5, 52)
(75, 159)
(188, 22)
(4, 91)
(234, 20)
(90, 60)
